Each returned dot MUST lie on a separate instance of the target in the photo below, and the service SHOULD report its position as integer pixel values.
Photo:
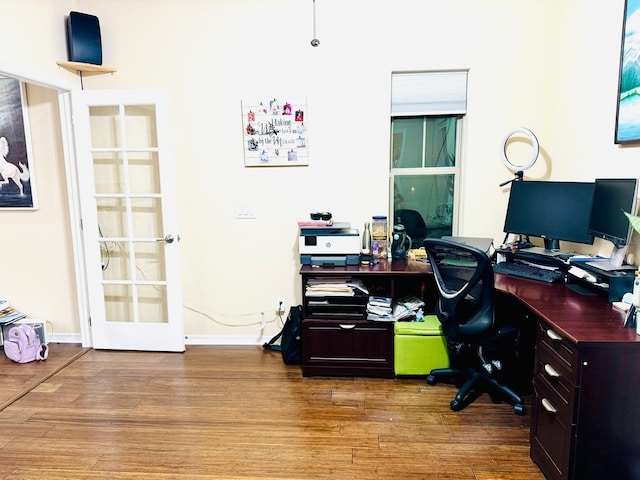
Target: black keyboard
(528, 271)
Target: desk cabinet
(338, 339)
(585, 408)
(553, 423)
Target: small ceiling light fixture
(314, 42)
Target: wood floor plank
(19, 378)
(237, 413)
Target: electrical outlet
(280, 304)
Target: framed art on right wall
(628, 108)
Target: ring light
(534, 155)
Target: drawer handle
(550, 371)
(553, 335)
(344, 326)
(546, 404)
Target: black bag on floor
(290, 338)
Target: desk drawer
(347, 347)
(555, 374)
(552, 432)
(565, 353)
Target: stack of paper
(334, 287)
(8, 314)
(407, 308)
(411, 303)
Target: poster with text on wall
(275, 132)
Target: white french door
(129, 220)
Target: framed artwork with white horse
(16, 167)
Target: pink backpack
(22, 345)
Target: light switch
(245, 211)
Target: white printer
(333, 245)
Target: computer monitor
(554, 211)
(613, 197)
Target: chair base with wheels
(483, 373)
(475, 383)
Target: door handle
(168, 238)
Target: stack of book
(382, 309)
(379, 308)
(8, 314)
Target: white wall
(549, 66)
(37, 267)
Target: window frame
(454, 170)
(419, 95)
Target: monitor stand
(608, 266)
(547, 252)
(551, 248)
(615, 262)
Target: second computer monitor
(554, 211)
(613, 197)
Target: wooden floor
(240, 413)
(18, 379)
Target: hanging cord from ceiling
(314, 42)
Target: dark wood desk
(579, 318)
(586, 388)
(586, 380)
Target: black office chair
(477, 344)
(414, 225)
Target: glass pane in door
(152, 303)
(118, 302)
(109, 172)
(150, 261)
(140, 122)
(105, 126)
(144, 170)
(146, 217)
(112, 216)
(116, 260)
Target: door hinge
(89, 320)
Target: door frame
(71, 173)
(64, 90)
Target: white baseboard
(189, 339)
(224, 340)
(64, 338)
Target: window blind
(429, 93)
